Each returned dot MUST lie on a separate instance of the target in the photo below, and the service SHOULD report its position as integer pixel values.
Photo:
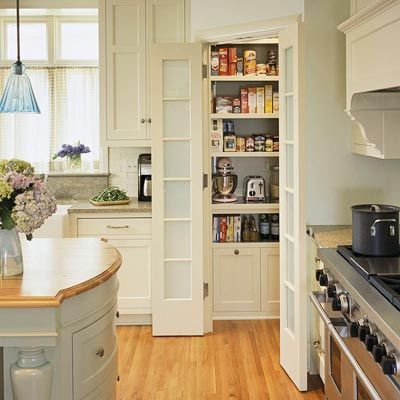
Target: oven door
(344, 378)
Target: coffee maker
(144, 177)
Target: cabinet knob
(104, 240)
(236, 252)
(117, 314)
(149, 120)
(142, 121)
(100, 352)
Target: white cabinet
(127, 30)
(236, 279)
(132, 238)
(246, 282)
(270, 280)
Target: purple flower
(68, 150)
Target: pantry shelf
(234, 78)
(253, 154)
(244, 116)
(240, 208)
(238, 245)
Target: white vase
(31, 375)
(11, 262)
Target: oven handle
(343, 347)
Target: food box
(223, 104)
(268, 99)
(244, 104)
(252, 100)
(215, 63)
(275, 102)
(223, 61)
(216, 135)
(260, 100)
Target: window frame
(53, 29)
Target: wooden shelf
(245, 208)
(245, 244)
(244, 116)
(261, 78)
(244, 154)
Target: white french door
(177, 142)
(293, 291)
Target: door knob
(142, 121)
(236, 252)
(149, 120)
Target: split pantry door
(177, 146)
(177, 143)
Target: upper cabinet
(373, 78)
(127, 30)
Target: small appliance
(254, 188)
(144, 177)
(224, 182)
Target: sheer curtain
(69, 101)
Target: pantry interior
(244, 132)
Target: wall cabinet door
(134, 295)
(236, 279)
(270, 281)
(123, 70)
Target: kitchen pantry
(226, 181)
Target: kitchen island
(62, 310)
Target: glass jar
(275, 226)
(269, 144)
(274, 183)
(264, 227)
(11, 263)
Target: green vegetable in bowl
(112, 193)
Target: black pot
(375, 229)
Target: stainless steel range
(361, 310)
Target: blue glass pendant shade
(18, 96)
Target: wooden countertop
(56, 269)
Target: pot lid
(375, 208)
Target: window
(62, 58)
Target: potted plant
(73, 155)
(25, 203)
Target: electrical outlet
(265, 165)
(130, 166)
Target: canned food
(250, 143)
(259, 143)
(240, 144)
(261, 69)
(269, 144)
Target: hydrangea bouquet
(73, 154)
(25, 202)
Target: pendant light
(18, 96)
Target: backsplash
(124, 169)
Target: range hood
(377, 115)
(373, 78)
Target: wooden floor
(239, 360)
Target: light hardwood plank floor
(238, 361)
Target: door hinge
(205, 71)
(205, 290)
(205, 181)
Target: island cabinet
(58, 318)
(127, 30)
(132, 237)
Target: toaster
(254, 188)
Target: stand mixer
(224, 182)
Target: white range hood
(373, 78)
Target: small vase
(74, 163)
(10, 253)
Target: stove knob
(318, 273)
(370, 341)
(389, 365)
(363, 331)
(378, 352)
(354, 329)
(323, 280)
(336, 304)
(331, 291)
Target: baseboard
(134, 319)
(235, 316)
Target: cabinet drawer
(95, 357)
(114, 226)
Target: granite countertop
(70, 267)
(330, 235)
(84, 206)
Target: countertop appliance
(144, 177)
(254, 188)
(224, 182)
(361, 310)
